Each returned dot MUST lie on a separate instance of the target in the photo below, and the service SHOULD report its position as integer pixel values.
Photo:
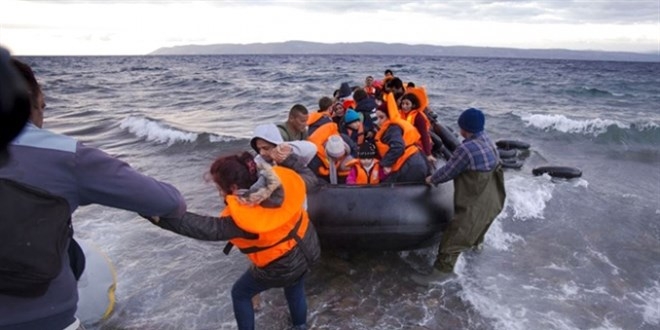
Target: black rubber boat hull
(564, 172)
(512, 144)
(392, 217)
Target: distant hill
(379, 48)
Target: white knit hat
(335, 147)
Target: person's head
(338, 109)
(410, 85)
(389, 73)
(325, 103)
(395, 85)
(360, 95)
(266, 138)
(36, 96)
(368, 81)
(231, 173)
(352, 119)
(471, 121)
(367, 153)
(381, 116)
(298, 116)
(409, 102)
(345, 90)
(14, 103)
(335, 147)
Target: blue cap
(351, 116)
(472, 120)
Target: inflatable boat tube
(512, 144)
(507, 153)
(511, 163)
(96, 286)
(449, 139)
(564, 172)
(392, 217)
(439, 147)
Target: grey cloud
(569, 11)
(524, 11)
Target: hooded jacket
(271, 134)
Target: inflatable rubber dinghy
(96, 286)
(395, 216)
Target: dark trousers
(246, 287)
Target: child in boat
(352, 126)
(367, 170)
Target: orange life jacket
(316, 116)
(410, 118)
(370, 177)
(319, 137)
(371, 90)
(420, 92)
(410, 138)
(360, 133)
(276, 226)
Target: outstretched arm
(202, 227)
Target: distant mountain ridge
(379, 48)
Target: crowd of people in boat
(377, 132)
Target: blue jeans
(246, 287)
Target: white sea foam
(498, 238)
(649, 303)
(602, 257)
(580, 183)
(528, 198)
(155, 131)
(506, 317)
(564, 124)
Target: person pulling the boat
(479, 194)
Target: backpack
(35, 227)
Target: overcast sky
(42, 27)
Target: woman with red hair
(268, 201)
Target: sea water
(563, 254)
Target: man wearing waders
(478, 194)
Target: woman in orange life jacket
(367, 170)
(412, 113)
(352, 126)
(268, 201)
(396, 142)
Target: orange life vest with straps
(279, 228)
(319, 137)
(410, 118)
(368, 177)
(316, 116)
(410, 139)
(370, 90)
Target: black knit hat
(367, 150)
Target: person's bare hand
(281, 152)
